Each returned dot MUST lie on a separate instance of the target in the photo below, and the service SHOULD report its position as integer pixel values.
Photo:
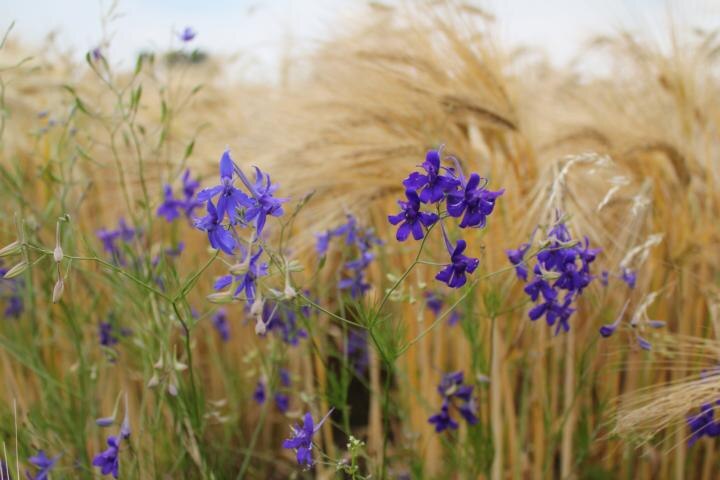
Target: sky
(259, 30)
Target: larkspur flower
(432, 185)
(282, 402)
(454, 274)
(106, 332)
(434, 302)
(458, 396)
(703, 423)
(475, 202)
(259, 394)
(246, 282)
(356, 351)
(302, 439)
(43, 463)
(411, 219)
(172, 207)
(230, 198)
(220, 322)
(187, 34)
(262, 202)
(10, 290)
(282, 319)
(109, 238)
(629, 277)
(517, 257)
(219, 237)
(562, 266)
(108, 461)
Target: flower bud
(13, 249)
(153, 382)
(260, 327)
(256, 307)
(105, 421)
(289, 292)
(58, 290)
(15, 271)
(221, 297)
(58, 254)
(172, 389)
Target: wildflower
(516, 257)
(703, 423)
(108, 461)
(106, 334)
(356, 351)
(221, 324)
(219, 237)
(9, 288)
(454, 274)
(476, 203)
(563, 265)
(262, 202)
(42, 462)
(458, 396)
(259, 393)
(629, 277)
(109, 238)
(431, 186)
(247, 281)
(412, 218)
(187, 35)
(644, 344)
(230, 198)
(96, 54)
(282, 402)
(301, 439)
(283, 320)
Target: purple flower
(456, 396)
(412, 218)
(556, 313)
(516, 257)
(281, 319)
(171, 206)
(109, 238)
(703, 423)
(356, 351)
(108, 461)
(431, 186)
(107, 335)
(259, 393)
(96, 54)
(9, 289)
(282, 402)
(4, 471)
(230, 198)
(221, 325)
(454, 274)
(187, 35)
(476, 202)
(246, 282)
(219, 237)
(262, 202)
(629, 277)
(42, 462)
(302, 439)
(284, 377)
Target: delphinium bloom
(517, 258)
(411, 218)
(434, 302)
(432, 185)
(230, 198)
(220, 238)
(221, 325)
(704, 423)
(474, 201)
(110, 237)
(10, 291)
(259, 394)
(245, 282)
(108, 461)
(282, 400)
(302, 439)
(454, 274)
(43, 463)
(187, 34)
(560, 275)
(280, 318)
(360, 240)
(630, 277)
(356, 350)
(172, 207)
(456, 396)
(461, 198)
(262, 201)
(107, 335)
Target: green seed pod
(16, 271)
(9, 250)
